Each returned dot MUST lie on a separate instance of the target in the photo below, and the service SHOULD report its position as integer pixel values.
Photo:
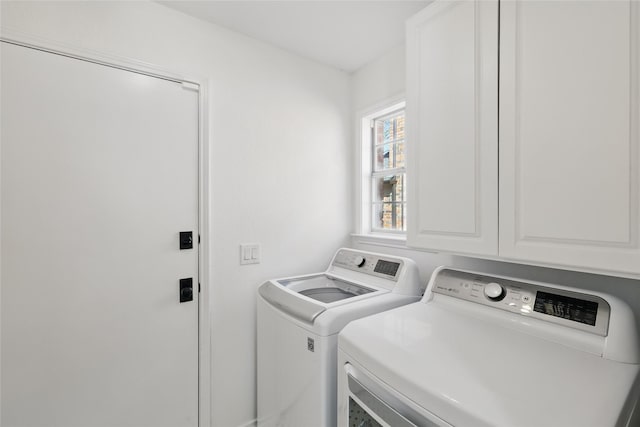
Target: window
(383, 156)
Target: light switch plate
(249, 253)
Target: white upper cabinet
(452, 125)
(569, 122)
(568, 193)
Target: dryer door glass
(370, 408)
(374, 405)
(358, 417)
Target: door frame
(204, 179)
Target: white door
(570, 133)
(452, 127)
(99, 174)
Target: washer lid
(469, 371)
(307, 297)
(324, 288)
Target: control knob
(359, 261)
(494, 291)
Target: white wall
(384, 79)
(379, 80)
(280, 157)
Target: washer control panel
(572, 309)
(374, 265)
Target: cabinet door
(569, 120)
(452, 111)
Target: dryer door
(373, 405)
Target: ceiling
(342, 34)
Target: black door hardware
(186, 240)
(186, 289)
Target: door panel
(569, 133)
(452, 140)
(99, 175)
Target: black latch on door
(186, 240)
(186, 289)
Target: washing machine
(481, 350)
(298, 321)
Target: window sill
(380, 239)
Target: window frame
(365, 160)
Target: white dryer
(482, 350)
(299, 319)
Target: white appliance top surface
(324, 281)
(356, 284)
(472, 372)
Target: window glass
(389, 156)
(389, 142)
(389, 216)
(388, 201)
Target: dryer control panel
(572, 309)
(363, 262)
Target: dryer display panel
(563, 307)
(574, 309)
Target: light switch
(249, 253)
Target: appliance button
(494, 291)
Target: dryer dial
(494, 291)
(359, 261)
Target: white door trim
(204, 176)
